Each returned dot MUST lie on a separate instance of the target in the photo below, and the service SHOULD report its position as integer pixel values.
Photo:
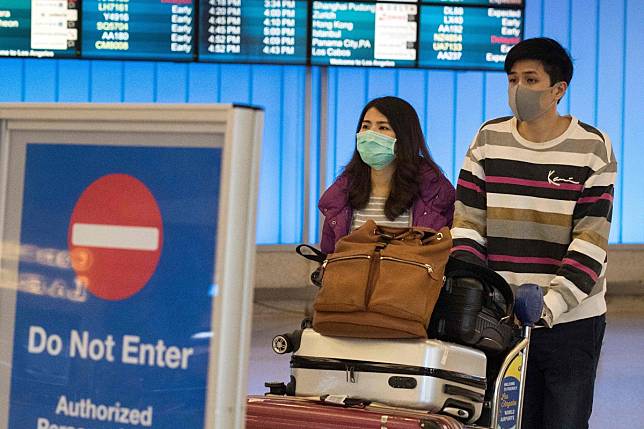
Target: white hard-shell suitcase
(430, 375)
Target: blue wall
(604, 37)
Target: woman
(391, 177)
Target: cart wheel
(282, 344)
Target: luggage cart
(503, 400)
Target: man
(534, 203)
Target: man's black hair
(555, 59)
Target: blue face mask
(375, 149)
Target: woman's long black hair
(411, 153)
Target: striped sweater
(539, 212)
(375, 210)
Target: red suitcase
(288, 412)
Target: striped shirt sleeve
(470, 210)
(586, 256)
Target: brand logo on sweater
(555, 180)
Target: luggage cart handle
(528, 304)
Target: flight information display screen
(448, 34)
(139, 29)
(39, 28)
(381, 34)
(467, 37)
(514, 3)
(253, 31)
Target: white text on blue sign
(133, 351)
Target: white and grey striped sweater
(375, 210)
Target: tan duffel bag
(382, 282)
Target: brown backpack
(382, 282)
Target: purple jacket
(434, 208)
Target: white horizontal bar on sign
(115, 236)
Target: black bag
(475, 308)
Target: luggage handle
(450, 389)
(344, 401)
(316, 255)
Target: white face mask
(529, 104)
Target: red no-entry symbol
(115, 236)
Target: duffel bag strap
(316, 255)
(431, 237)
(425, 236)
